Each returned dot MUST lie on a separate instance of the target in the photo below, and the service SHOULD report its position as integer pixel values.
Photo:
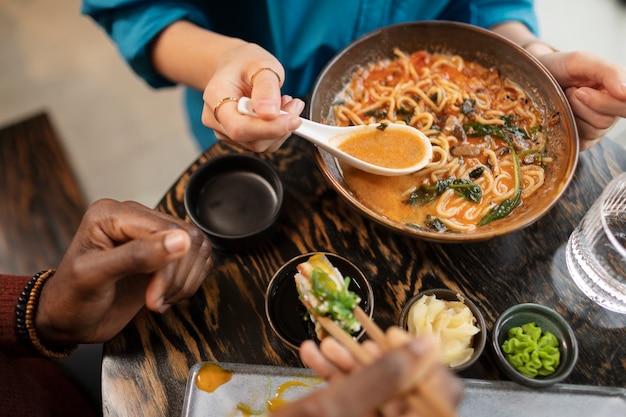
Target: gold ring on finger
(260, 70)
(220, 104)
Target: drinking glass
(596, 249)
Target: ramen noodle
(489, 143)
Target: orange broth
(385, 147)
(372, 96)
(381, 194)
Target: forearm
(188, 54)
(521, 35)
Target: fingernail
(164, 308)
(161, 306)
(582, 95)
(175, 241)
(300, 106)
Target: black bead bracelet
(25, 317)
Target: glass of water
(596, 249)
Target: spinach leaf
(377, 113)
(507, 206)
(405, 114)
(479, 129)
(477, 172)
(513, 129)
(467, 189)
(428, 192)
(462, 187)
(435, 223)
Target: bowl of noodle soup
(505, 145)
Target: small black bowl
(235, 199)
(548, 320)
(285, 312)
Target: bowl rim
(568, 344)
(275, 181)
(448, 294)
(322, 157)
(279, 274)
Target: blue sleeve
(133, 24)
(488, 13)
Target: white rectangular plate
(254, 385)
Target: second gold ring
(220, 104)
(260, 70)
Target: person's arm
(188, 54)
(170, 42)
(123, 257)
(10, 288)
(521, 34)
(225, 68)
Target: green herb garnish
(336, 302)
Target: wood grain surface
(145, 367)
(41, 203)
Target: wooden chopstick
(345, 339)
(371, 328)
(341, 335)
(432, 406)
(429, 394)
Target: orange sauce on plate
(210, 377)
(279, 401)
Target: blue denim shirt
(303, 35)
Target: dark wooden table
(41, 203)
(145, 367)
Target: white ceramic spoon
(330, 137)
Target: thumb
(617, 84)
(141, 256)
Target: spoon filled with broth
(389, 149)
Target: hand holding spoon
(381, 148)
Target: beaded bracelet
(25, 315)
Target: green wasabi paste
(531, 351)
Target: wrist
(26, 311)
